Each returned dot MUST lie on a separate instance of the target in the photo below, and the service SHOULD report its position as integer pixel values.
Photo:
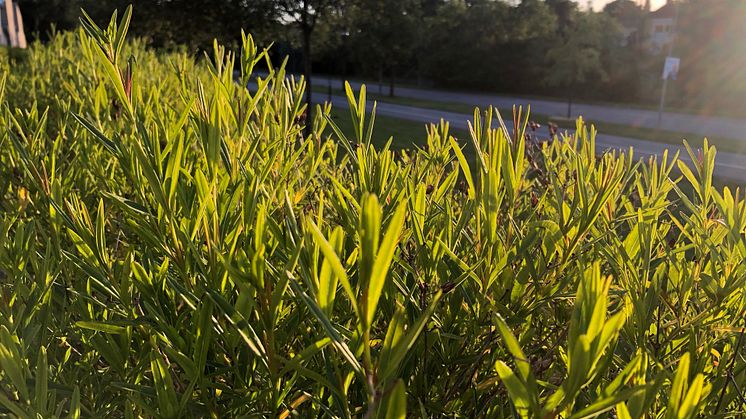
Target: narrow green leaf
(326, 324)
(41, 378)
(521, 361)
(407, 342)
(168, 403)
(101, 327)
(12, 363)
(465, 169)
(336, 265)
(517, 391)
(122, 31)
(203, 335)
(679, 386)
(383, 261)
(607, 403)
(14, 408)
(328, 279)
(394, 334)
(106, 142)
(75, 404)
(690, 403)
(396, 402)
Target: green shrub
(172, 245)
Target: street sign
(671, 68)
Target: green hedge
(172, 245)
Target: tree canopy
(516, 46)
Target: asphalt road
(729, 167)
(714, 126)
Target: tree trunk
(380, 79)
(392, 82)
(307, 71)
(419, 75)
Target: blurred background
(609, 51)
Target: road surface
(713, 126)
(730, 166)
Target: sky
(599, 4)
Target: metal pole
(662, 104)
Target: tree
(465, 40)
(530, 33)
(623, 9)
(39, 16)
(306, 14)
(565, 10)
(576, 56)
(163, 23)
(622, 53)
(386, 34)
(710, 41)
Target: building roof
(667, 11)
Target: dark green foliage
(169, 24)
(496, 45)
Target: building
(661, 28)
(11, 25)
(630, 16)
(630, 31)
(654, 31)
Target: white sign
(671, 68)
